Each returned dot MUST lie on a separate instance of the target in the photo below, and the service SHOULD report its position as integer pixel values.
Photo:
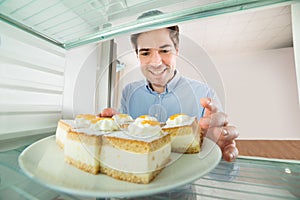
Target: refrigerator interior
(56, 60)
(62, 58)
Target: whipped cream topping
(179, 120)
(145, 117)
(144, 126)
(103, 124)
(69, 122)
(84, 120)
(122, 118)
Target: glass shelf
(69, 24)
(245, 178)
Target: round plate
(43, 161)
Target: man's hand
(215, 126)
(108, 112)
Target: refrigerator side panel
(31, 84)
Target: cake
(145, 117)
(84, 120)
(123, 120)
(185, 133)
(82, 150)
(83, 145)
(103, 124)
(63, 127)
(138, 155)
(144, 126)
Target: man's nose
(155, 59)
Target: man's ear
(177, 51)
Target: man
(166, 92)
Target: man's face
(157, 56)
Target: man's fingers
(108, 112)
(230, 152)
(214, 120)
(229, 133)
(209, 106)
(222, 135)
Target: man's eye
(144, 53)
(165, 50)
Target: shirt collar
(170, 86)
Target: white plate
(43, 161)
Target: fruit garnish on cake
(123, 120)
(144, 126)
(103, 124)
(179, 120)
(146, 117)
(84, 120)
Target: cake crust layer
(82, 166)
(86, 139)
(137, 146)
(140, 178)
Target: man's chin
(158, 84)
(160, 80)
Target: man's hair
(174, 30)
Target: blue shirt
(181, 95)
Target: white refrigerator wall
(41, 83)
(261, 93)
(296, 40)
(31, 84)
(80, 81)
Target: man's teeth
(158, 72)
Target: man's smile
(157, 72)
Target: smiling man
(157, 58)
(166, 92)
